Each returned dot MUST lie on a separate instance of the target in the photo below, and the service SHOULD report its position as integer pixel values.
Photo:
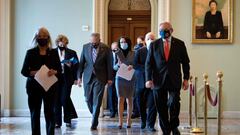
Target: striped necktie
(94, 54)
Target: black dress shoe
(152, 129)
(128, 126)
(135, 116)
(143, 125)
(57, 126)
(93, 128)
(112, 115)
(176, 131)
(68, 124)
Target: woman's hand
(208, 34)
(218, 34)
(52, 72)
(130, 67)
(32, 73)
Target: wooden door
(128, 23)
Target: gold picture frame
(201, 23)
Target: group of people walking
(155, 86)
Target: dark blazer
(157, 68)
(70, 73)
(139, 66)
(103, 65)
(32, 62)
(213, 23)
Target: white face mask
(124, 46)
(148, 43)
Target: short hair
(148, 34)
(95, 35)
(60, 38)
(212, 1)
(35, 36)
(141, 37)
(168, 23)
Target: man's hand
(109, 82)
(32, 73)
(209, 35)
(130, 67)
(185, 84)
(149, 84)
(69, 64)
(52, 72)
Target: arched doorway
(131, 18)
(100, 15)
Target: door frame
(160, 11)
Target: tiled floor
(107, 126)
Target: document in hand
(43, 79)
(124, 72)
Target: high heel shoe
(120, 126)
(129, 126)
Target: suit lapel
(90, 52)
(172, 48)
(99, 51)
(161, 48)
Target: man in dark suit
(163, 74)
(144, 95)
(96, 68)
(112, 100)
(69, 63)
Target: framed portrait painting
(212, 21)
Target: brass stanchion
(205, 76)
(190, 104)
(219, 76)
(196, 129)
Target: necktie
(94, 54)
(166, 49)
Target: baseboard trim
(226, 115)
(84, 113)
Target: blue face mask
(124, 46)
(165, 34)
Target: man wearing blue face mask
(163, 74)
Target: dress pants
(36, 96)
(94, 94)
(147, 106)
(64, 100)
(112, 98)
(167, 101)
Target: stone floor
(107, 126)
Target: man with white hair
(165, 58)
(144, 95)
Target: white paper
(43, 79)
(124, 72)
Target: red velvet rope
(212, 102)
(192, 90)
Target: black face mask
(95, 45)
(61, 48)
(42, 41)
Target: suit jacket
(103, 65)
(139, 66)
(157, 68)
(32, 62)
(70, 73)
